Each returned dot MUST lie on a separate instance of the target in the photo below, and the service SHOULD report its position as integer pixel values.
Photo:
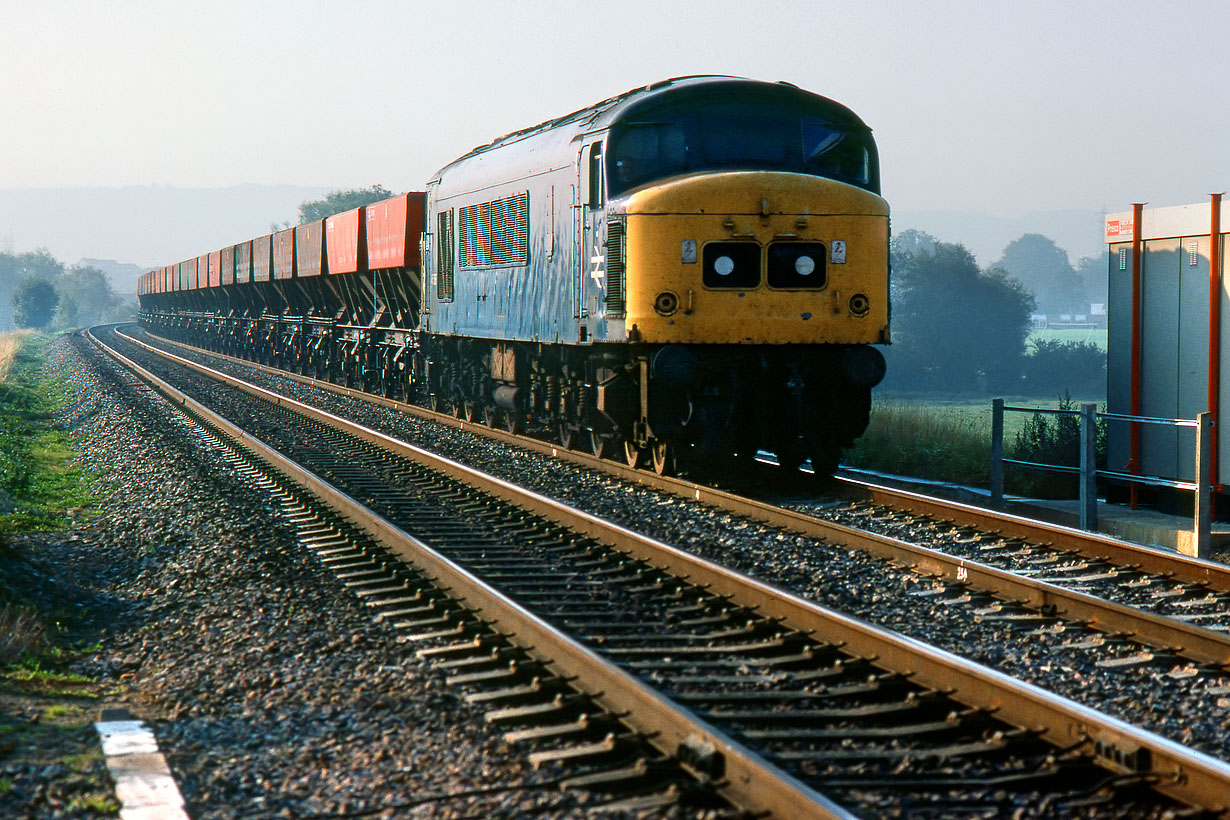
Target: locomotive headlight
(734, 265)
(797, 265)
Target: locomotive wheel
(632, 454)
(566, 435)
(824, 461)
(599, 444)
(789, 459)
(663, 458)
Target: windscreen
(710, 134)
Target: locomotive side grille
(444, 257)
(615, 269)
(495, 234)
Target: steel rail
(1179, 772)
(1175, 567)
(1188, 640)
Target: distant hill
(146, 226)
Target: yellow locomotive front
(754, 249)
(752, 257)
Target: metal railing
(1089, 473)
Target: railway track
(763, 696)
(1162, 600)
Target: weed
(96, 803)
(10, 344)
(1054, 440)
(32, 670)
(30, 677)
(21, 632)
(83, 762)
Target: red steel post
(1137, 247)
(1214, 329)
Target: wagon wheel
(512, 421)
(566, 435)
(469, 410)
(490, 415)
(599, 444)
(663, 458)
(789, 457)
(632, 454)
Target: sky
(979, 107)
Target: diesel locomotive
(692, 270)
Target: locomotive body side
(502, 256)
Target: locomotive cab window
(595, 175)
(735, 131)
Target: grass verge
(38, 483)
(47, 745)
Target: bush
(34, 303)
(1055, 368)
(1055, 440)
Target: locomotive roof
(600, 115)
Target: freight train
(690, 271)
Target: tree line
(955, 326)
(1044, 269)
(959, 328)
(39, 291)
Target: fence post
(1204, 440)
(1089, 467)
(997, 452)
